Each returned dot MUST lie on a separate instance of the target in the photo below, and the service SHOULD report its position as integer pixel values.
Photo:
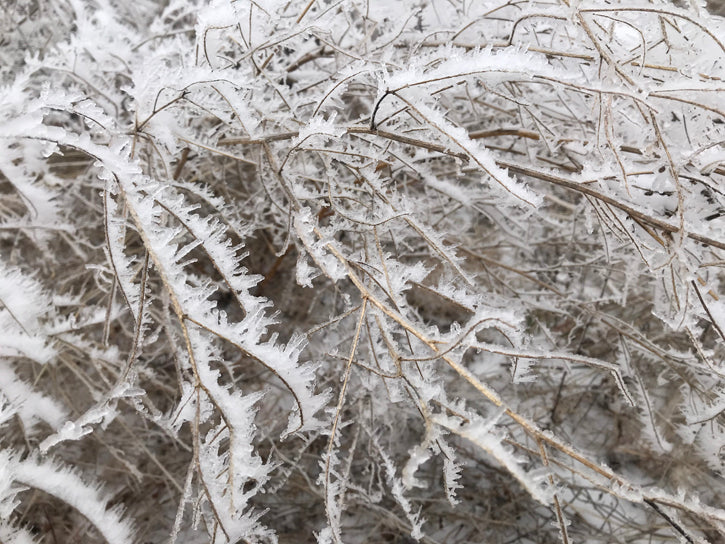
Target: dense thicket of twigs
(361, 271)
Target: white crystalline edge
(67, 486)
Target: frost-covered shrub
(361, 271)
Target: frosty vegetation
(347, 271)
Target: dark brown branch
(587, 190)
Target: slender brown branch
(630, 210)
